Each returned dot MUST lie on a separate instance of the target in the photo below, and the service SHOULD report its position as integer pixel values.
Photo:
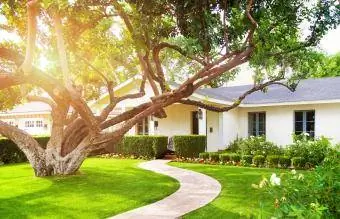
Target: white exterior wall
(19, 121)
(280, 121)
(177, 122)
(214, 139)
(230, 126)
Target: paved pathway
(196, 190)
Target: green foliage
(189, 146)
(284, 161)
(273, 160)
(214, 156)
(257, 145)
(310, 195)
(313, 151)
(247, 159)
(142, 146)
(10, 153)
(298, 162)
(226, 157)
(204, 155)
(258, 160)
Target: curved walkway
(196, 190)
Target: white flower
(300, 177)
(274, 180)
(305, 134)
(293, 171)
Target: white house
(313, 108)
(33, 117)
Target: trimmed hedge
(284, 161)
(214, 156)
(273, 160)
(142, 146)
(225, 157)
(298, 162)
(204, 155)
(259, 160)
(189, 146)
(10, 153)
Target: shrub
(273, 160)
(258, 146)
(235, 157)
(204, 155)
(10, 153)
(298, 162)
(247, 159)
(160, 146)
(142, 146)
(313, 151)
(284, 161)
(234, 146)
(311, 195)
(214, 156)
(189, 145)
(259, 160)
(225, 157)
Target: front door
(194, 119)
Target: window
(256, 123)
(143, 127)
(305, 122)
(39, 123)
(29, 123)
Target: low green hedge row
(257, 160)
(10, 153)
(142, 146)
(189, 146)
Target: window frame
(304, 122)
(258, 132)
(145, 127)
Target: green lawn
(103, 188)
(237, 198)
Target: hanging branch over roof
(239, 100)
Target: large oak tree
(92, 44)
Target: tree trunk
(55, 165)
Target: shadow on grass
(104, 188)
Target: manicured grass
(237, 198)
(104, 187)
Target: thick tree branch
(26, 66)
(239, 100)
(163, 45)
(62, 50)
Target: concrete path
(196, 190)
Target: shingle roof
(307, 90)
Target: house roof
(31, 107)
(307, 90)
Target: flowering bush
(312, 151)
(247, 160)
(298, 162)
(311, 195)
(254, 145)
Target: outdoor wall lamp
(200, 114)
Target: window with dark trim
(256, 123)
(143, 127)
(304, 122)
